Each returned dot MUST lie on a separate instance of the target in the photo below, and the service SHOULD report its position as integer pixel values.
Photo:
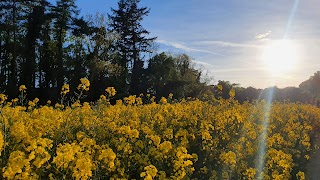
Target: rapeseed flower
(65, 89)
(104, 141)
(22, 88)
(3, 98)
(84, 84)
(111, 91)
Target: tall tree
(12, 15)
(76, 64)
(101, 70)
(47, 50)
(132, 43)
(6, 28)
(35, 20)
(64, 12)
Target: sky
(228, 39)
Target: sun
(280, 56)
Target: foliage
(251, 94)
(44, 46)
(132, 43)
(173, 74)
(312, 86)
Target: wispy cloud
(203, 63)
(238, 69)
(185, 48)
(263, 36)
(229, 44)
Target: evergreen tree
(47, 51)
(11, 32)
(35, 19)
(64, 13)
(132, 42)
(6, 28)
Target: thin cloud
(238, 69)
(185, 48)
(229, 44)
(202, 63)
(264, 36)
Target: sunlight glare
(280, 56)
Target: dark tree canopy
(64, 13)
(312, 86)
(173, 74)
(132, 42)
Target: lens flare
(264, 134)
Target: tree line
(45, 45)
(307, 92)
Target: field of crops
(139, 139)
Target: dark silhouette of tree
(132, 43)
(47, 52)
(93, 55)
(161, 70)
(292, 94)
(6, 31)
(173, 74)
(226, 88)
(12, 37)
(188, 83)
(312, 87)
(35, 19)
(64, 13)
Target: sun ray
(290, 20)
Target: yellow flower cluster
(22, 88)
(3, 98)
(23, 164)
(212, 139)
(150, 172)
(84, 84)
(229, 158)
(33, 103)
(65, 89)
(111, 91)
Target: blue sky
(227, 38)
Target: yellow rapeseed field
(137, 138)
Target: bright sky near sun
(254, 43)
